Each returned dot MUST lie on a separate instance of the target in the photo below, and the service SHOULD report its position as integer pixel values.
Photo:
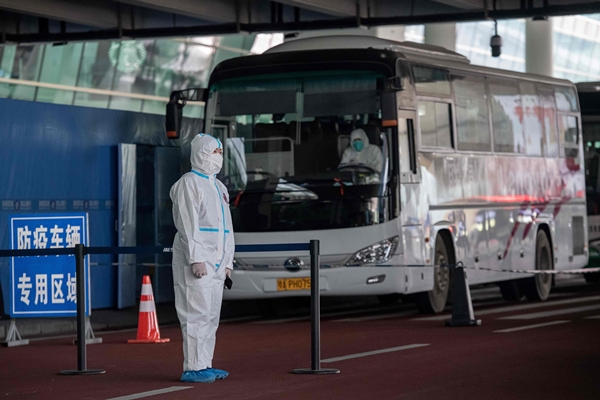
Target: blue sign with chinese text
(45, 286)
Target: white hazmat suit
(204, 235)
(369, 155)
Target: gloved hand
(228, 272)
(199, 269)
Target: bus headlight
(377, 253)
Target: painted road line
(375, 352)
(522, 328)
(593, 317)
(517, 308)
(152, 393)
(562, 311)
(376, 317)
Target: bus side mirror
(175, 106)
(174, 117)
(389, 110)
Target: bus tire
(592, 278)
(537, 288)
(434, 301)
(511, 290)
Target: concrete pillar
(441, 35)
(538, 47)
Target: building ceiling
(60, 21)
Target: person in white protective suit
(202, 256)
(361, 152)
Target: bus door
(410, 198)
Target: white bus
(479, 165)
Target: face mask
(358, 145)
(215, 163)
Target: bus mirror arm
(174, 113)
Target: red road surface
(553, 362)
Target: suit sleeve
(377, 159)
(346, 156)
(186, 205)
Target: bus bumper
(342, 281)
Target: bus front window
(304, 152)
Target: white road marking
(593, 317)
(375, 352)
(516, 308)
(152, 393)
(376, 317)
(522, 328)
(544, 314)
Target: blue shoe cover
(202, 376)
(219, 373)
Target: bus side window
(548, 109)
(470, 103)
(569, 135)
(436, 124)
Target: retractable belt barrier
(462, 309)
(80, 251)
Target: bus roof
(360, 51)
(415, 52)
(365, 42)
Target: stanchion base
(83, 372)
(466, 322)
(322, 371)
(15, 343)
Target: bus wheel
(538, 287)
(592, 278)
(434, 301)
(511, 290)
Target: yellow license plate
(293, 284)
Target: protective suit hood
(202, 149)
(359, 134)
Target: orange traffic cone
(148, 331)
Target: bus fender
(440, 228)
(546, 222)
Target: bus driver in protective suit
(202, 256)
(361, 152)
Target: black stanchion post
(462, 307)
(315, 316)
(81, 295)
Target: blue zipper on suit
(224, 222)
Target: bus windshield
(303, 152)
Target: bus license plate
(293, 284)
